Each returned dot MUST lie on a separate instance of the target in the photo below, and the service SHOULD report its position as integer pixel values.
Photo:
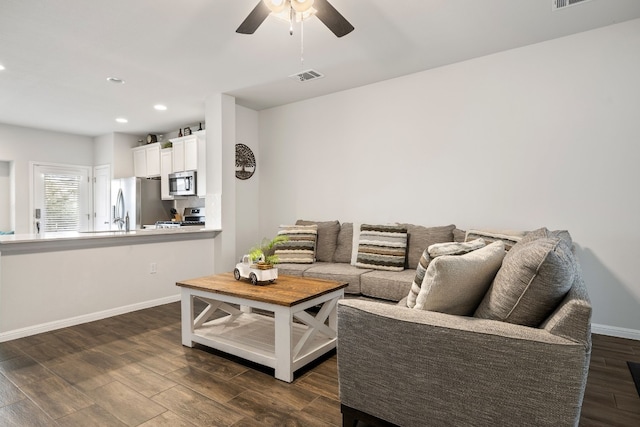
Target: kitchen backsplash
(189, 202)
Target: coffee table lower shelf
(252, 337)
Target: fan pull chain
(291, 17)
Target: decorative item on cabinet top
(245, 162)
(151, 138)
(187, 131)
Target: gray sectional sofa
(520, 356)
(335, 252)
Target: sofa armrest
(408, 366)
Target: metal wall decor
(245, 162)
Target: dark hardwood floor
(132, 370)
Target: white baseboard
(615, 331)
(64, 323)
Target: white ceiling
(58, 54)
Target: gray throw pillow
(534, 278)
(455, 284)
(545, 232)
(327, 238)
(344, 245)
(459, 235)
(420, 238)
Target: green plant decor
(264, 253)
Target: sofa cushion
(509, 237)
(414, 289)
(534, 278)
(387, 285)
(344, 245)
(300, 248)
(455, 248)
(382, 247)
(456, 284)
(327, 238)
(290, 269)
(340, 272)
(420, 238)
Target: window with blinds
(61, 197)
(62, 208)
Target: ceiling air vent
(305, 76)
(561, 4)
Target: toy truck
(249, 270)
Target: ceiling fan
(296, 10)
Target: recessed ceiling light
(2, 67)
(122, 120)
(160, 107)
(115, 80)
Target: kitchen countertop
(27, 243)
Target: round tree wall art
(245, 162)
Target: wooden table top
(286, 290)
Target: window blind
(62, 208)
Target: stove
(192, 217)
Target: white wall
(103, 151)
(247, 191)
(5, 196)
(22, 145)
(545, 135)
(122, 166)
(115, 149)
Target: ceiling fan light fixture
(301, 6)
(276, 6)
(296, 11)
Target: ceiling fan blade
(255, 18)
(332, 18)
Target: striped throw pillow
(382, 247)
(425, 259)
(301, 246)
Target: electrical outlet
(153, 268)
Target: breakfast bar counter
(25, 243)
(54, 280)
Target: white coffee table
(275, 341)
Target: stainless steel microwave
(182, 183)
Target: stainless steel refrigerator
(141, 199)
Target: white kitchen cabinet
(189, 154)
(185, 153)
(146, 160)
(139, 161)
(202, 163)
(166, 165)
(178, 155)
